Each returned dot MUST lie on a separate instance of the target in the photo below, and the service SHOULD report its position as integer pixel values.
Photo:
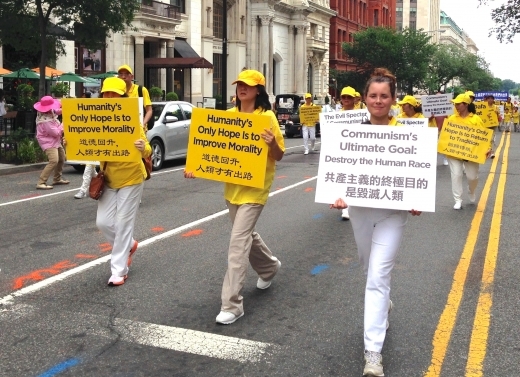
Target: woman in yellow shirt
(411, 108)
(516, 118)
(117, 207)
(245, 205)
(458, 166)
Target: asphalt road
(455, 285)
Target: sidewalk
(6, 169)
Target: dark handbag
(97, 184)
(148, 166)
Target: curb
(14, 169)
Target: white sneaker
(344, 214)
(458, 204)
(313, 148)
(80, 194)
(373, 364)
(117, 280)
(262, 284)
(306, 151)
(472, 197)
(227, 318)
(445, 162)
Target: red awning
(177, 63)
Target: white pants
(90, 171)
(378, 234)
(117, 210)
(457, 168)
(308, 132)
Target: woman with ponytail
(378, 233)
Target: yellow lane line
(479, 335)
(442, 336)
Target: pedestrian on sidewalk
(378, 233)
(49, 133)
(245, 205)
(117, 207)
(457, 166)
(308, 129)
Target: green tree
(445, 65)
(406, 54)
(508, 85)
(507, 19)
(89, 21)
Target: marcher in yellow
(490, 102)
(411, 108)
(245, 205)
(126, 74)
(118, 206)
(357, 102)
(516, 118)
(458, 166)
(308, 129)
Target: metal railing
(157, 8)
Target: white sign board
(210, 103)
(438, 104)
(378, 166)
(413, 122)
(345, 117)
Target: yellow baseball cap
(114, 84)
(409, 100)
(470, 93)
(462, 98)
(250, 77)
(357, 95)
(125, 67)
(308, 95)
(348, 91)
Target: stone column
(253, 64)
(169, 71)
(264, 46)
(290, 62)
(300, 58)
(139, 60)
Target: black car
(286, 110)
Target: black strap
(139, 90)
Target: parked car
(168, 131)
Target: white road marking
(190, 341)
(75, 189)
(62, 276)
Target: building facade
(353, 16)
(453, 34)
(419, 14)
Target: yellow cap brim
(245, 81)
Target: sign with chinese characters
(310, 114)
(378, 166)
(345, 117)
(226, 146)
(500, 96)
(102, 129)
(439, 105)
(465, 141)
(413, 122)
(487, 114)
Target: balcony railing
(157, 8)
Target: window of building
(399, 25)
(179, 4)
(376, 17)
(217, 21)
(399, 13)
(217, 74)
(413, 12)
(413, 25)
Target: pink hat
(47, 103)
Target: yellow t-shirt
(123, 174)
(508, 106)
(134, 93)
(305, 105)
(471, 119)
(238, 194)
(516, 117)
(507, 117)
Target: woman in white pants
(378, 233)
(458, 166)
(117, 207)
(308, 129)
(88, 174)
